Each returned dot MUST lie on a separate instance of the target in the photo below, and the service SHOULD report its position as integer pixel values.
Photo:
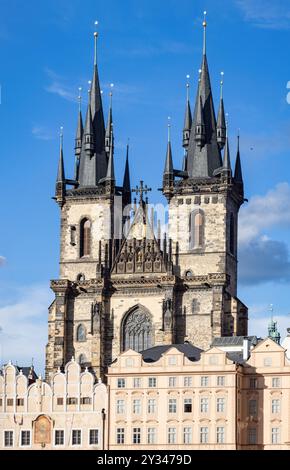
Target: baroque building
(121, 285)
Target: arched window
(196, 230)
(232, 234)
(85, 238)
(81, 333)
(82, 359)
(137, 331)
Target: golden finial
(187, 87)
(204, 24)
(222, 84)
(80, 98)
(169, 128)
(96, 34)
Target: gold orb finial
(204, 20)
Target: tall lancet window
(137, 330)
(196, 229)
(85, 238)
(232, 234)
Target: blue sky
(146, 48)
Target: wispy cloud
(258, 325)
(261, 258)
(2, 261)
(266, 14)
(157, 49)
(23, 323)
(42, 133)
(59, 86)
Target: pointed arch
(196, 229)
(137, 329)
(85, 237)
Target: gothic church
(121, 285)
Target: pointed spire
(204, 156)
(227, 158)
(79, 136)
(204, 24)
(89, 131)
(238, 168)
(60, 171)
(96, 103)
(109, 123)
(126, 180)
(111, 170)
(221, 122)
(188, 117)
(168, 169)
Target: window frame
(54, 437)
(30, 434)
(89, 436)
(4, 437)
(81, 440)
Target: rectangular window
(172, 382)
(220, 405)
(76, 437)
(72, 401)
(137, 382)
(25, 438)
(204, 405)
(136, 436)
(1, 401)
(268, 362)
(276, 406)
(120, 435)
(275, 435)
(220, 435)
(120, 407)
(59, 401)
(204, 381)
(10, 401)
(120, 383)
(152, 382)
(253, 383)
(221, 380)
(137, 406)
(204, 435)
(252, 436)
(94, 437)
(59, 437)
(8, 438)
(253, 409)
(86, 401)
(276, 382)
(187, 381)
(171, 435)
(20, 402)
(172, 406)
(187, 405)
(187, 435)
(151, 405)
(151, 436)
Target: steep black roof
(234, 341)
(155, 353)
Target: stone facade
(70, 413)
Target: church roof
(155, 353)
(234, 341)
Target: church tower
(121, 284)
(204, 201)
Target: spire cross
(187, 87)
(80, 98)
(204, 24)
(222, 84)
(61, 136)
(169, 128)
(96, 38)
(111, 93)
(271, 309)
(141, 190)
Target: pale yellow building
(71, 413)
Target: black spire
(227, 159)
(93, 160)
(78, 139)
(238, 168)
(187, 119)
(111, 170)
(109, 126)
(168, 174)
(60, 179)
(203, 160)
(221, 122)
(126, 181)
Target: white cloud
(23, 323)
(59, 87)
(265, 212)
(258, 326)
(2, 261)
(266, 13)
(42, 133)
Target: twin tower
(120, 285)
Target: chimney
(246, 349)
